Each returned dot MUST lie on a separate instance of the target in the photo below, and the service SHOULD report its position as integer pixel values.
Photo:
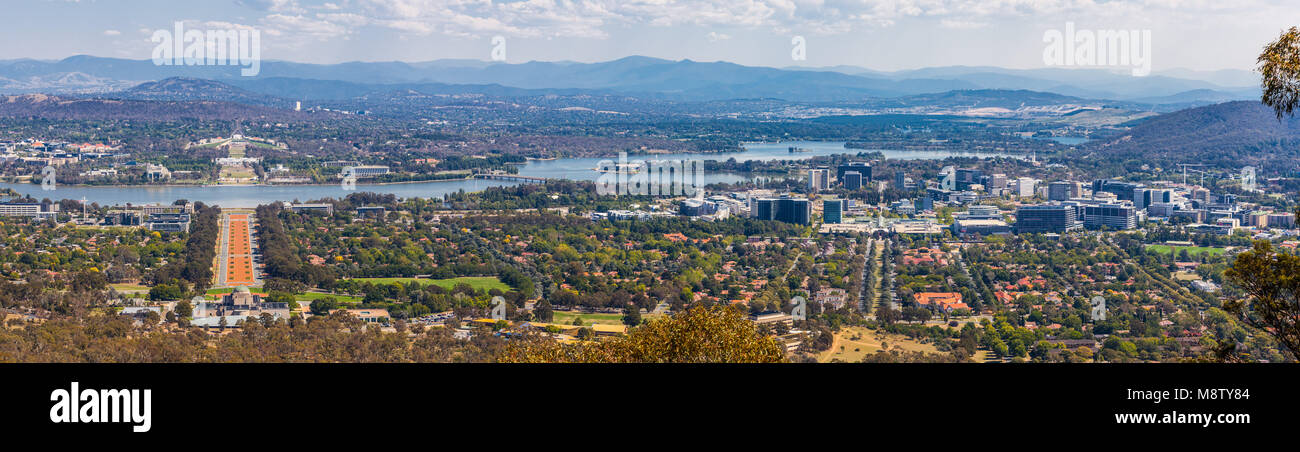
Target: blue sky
(877, 34)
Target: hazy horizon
(886, 35)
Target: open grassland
(854, 343)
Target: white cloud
(277, 6)
(715, 36)
(962, 24)
(600, 18)
(112, 33)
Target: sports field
(1191, 250)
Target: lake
(566, 168)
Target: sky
(876, 34)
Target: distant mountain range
(684, 80)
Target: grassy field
(237, 173)
(477, 282)
(566, 318)
(1192, 250)
(848, 349)
(312, 296)
(130, 288)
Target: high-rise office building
(819, 179)
(1063, 190)
(997, 184)
(862, 168)
(967, 177)
(785, 209)
(1113, 216)
(900, 180)
(1046, 218)
(1145, 197)
(853, 180)
(833, 211)
(1025, 187)
(1122, 190)
(925, 203)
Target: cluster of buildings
(1103, 204)
(154, 217)
(328, 209)
(1120, 205)
(235, 307)
(56, 153)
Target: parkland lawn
(566, 318)
(1191, 250)
(484, 283)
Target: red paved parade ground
(239, 268)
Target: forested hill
(53, 107)
(1227, 135)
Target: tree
(1280, 66)
(323, 306)
(151, 318)
(542, 311)
(1270, 280)
(703, 334)
(165, 292)
(183, 309)
(631, 315)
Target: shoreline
(243, 185)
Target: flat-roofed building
(980, 227)
(773, 317)
(1064, 190)
(786, 209)
(819, 179)
(29, 209)
(852, 180)
(326, 208)
(1281, 220)
(1046, 218)
(833, 211)
(1113, 216)
(368, 315)
(862, 168)
(168, 222)
(369, 170)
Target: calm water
(569, 168)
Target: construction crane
(1185, 165)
